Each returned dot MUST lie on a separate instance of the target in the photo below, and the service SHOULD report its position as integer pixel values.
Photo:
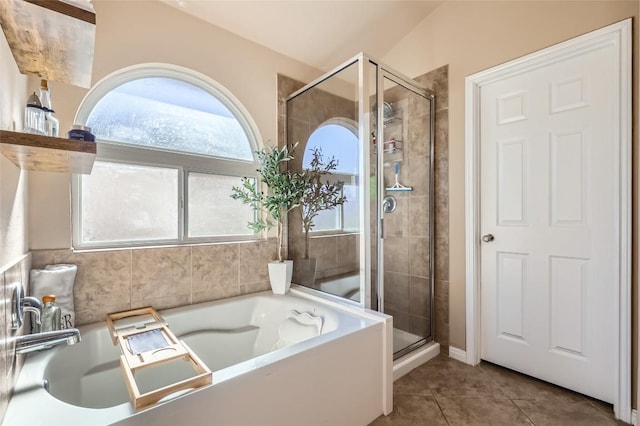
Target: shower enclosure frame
(382, 71)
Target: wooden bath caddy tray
(146, 341)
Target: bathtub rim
(30, 378)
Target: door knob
(487, 238)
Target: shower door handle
(487, 238)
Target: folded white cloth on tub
(57, 280)
(298, 327)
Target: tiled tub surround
(10, 364)
(335, 255)
(117, 280)
(311, 382)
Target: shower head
(387, 110)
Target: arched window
(172, 143)
(338, 139)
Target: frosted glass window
(351, 208)
(327, 220)
(171, 145)
(124, 202)
(212, 211)
(169, 114)
(341, 143)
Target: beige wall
(130, 33)
(13, 181)
(475, 35)
(13, 207)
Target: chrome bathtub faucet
(46, 340)
(37, 341)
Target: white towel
(57, 280)
(297, 328)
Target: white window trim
(150, 70)
(116, 152)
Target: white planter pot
(280, 276)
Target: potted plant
(285, 191)
(319, 195)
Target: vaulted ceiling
(320, 33)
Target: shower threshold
(403, 340)
(413, 356)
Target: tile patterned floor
(447, 392)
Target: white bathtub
(341, 377)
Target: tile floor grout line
(441, 411)
(522, 411)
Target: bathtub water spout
(46, 340)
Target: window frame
(118, 152)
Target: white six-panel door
(548, 173)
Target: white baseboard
(457, 354)
(634, 417)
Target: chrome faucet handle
(20, 304)
(31, 304)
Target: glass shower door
(376, 248)
(404, 161)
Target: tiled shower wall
(9, 364)
(118, 280)
(438, 82)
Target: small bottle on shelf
(34, 116)
(51, 314)
(52, 124)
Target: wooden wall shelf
(51, 39)
(47, 154)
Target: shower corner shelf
(393, 152)
(392, 146)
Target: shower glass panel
(324, 117)
(375, 249)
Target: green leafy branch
(318, 195)
(286, 189)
